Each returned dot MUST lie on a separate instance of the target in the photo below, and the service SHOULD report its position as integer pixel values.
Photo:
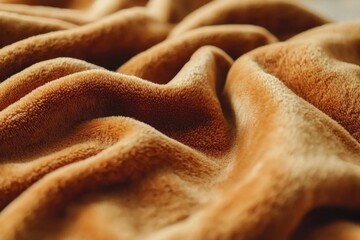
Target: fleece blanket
(186, 119)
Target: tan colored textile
(178, 120)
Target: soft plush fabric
(166, 119)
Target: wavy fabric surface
(161, 119)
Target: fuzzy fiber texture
(178, 119)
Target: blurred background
(336, 10)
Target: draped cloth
(162, 119)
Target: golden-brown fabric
(73, 11)
(178, 120)
(281, 17)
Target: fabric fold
(104, 43)
(282, 18)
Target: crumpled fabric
(181, 119)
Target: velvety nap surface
(162, 119)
